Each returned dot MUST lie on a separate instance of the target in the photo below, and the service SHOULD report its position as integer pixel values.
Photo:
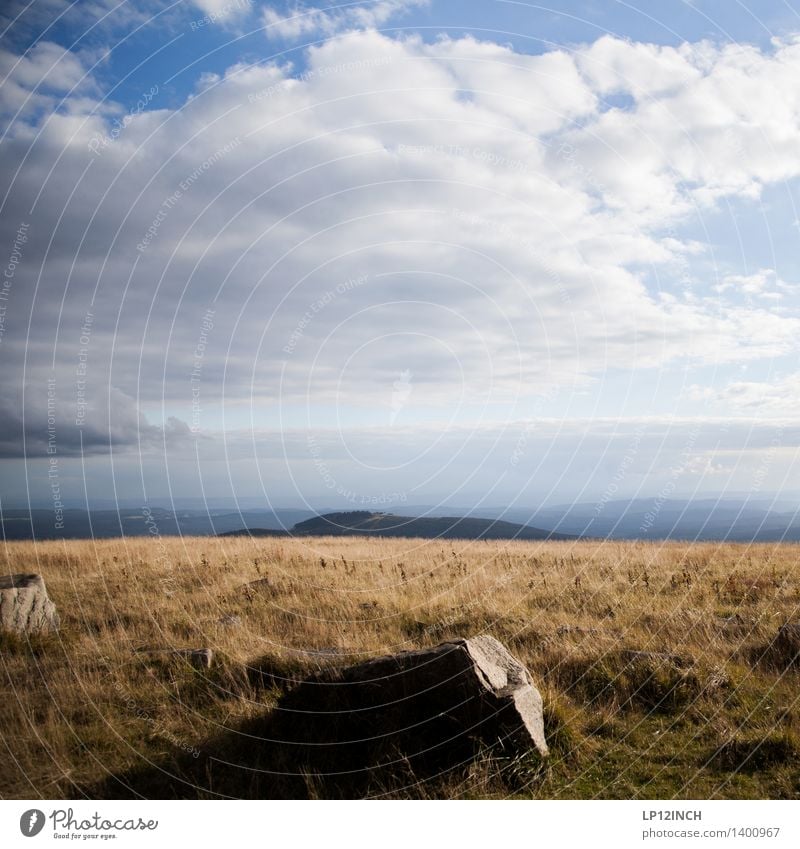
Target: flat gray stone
(25, 607)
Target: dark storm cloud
(50, 427)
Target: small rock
(199, 658)
(25, 607)
(575, 629)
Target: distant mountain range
(741, 520)
(138, 521)
(698, 519)
(365, 523)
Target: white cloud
(512, 461)
(220, 9)
(708, 123)
(222, 12)
(303, 20)
(764, 284)
(507, 228)
(39, 78)
(613, 65)
(705, 465)
(768, 398)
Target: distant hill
(740, 519)
(365, 523)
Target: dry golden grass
(723, 720)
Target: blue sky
(376, 247)
(210, 37)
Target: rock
(431, 706)
(199, 658)
(25, 607)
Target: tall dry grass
(719, 717)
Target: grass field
(720, 718)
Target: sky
(399, 252)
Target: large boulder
(432, 708)
(25, 607)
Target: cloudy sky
(399, 251)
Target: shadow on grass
(755, 754)
(314, 745)
(780, 655)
